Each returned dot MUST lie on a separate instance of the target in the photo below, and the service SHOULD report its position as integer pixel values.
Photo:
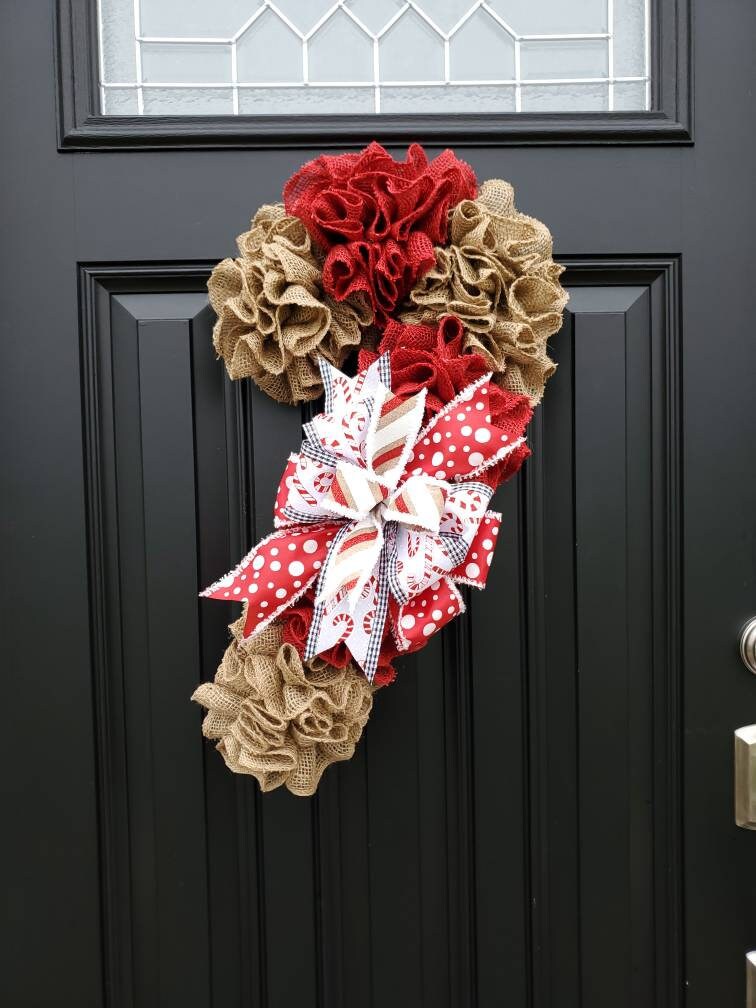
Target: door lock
(748, 644)
(745, 778)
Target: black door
(541, 810)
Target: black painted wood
(540, 812)
(159, 431)
(597, 705)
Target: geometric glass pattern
(268, 57)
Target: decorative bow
(372, 508)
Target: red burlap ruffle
(512, 413)
(432, 358)
(379, 218)
(427, 357)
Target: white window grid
(376, 84)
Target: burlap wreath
(278, 719)
(391, 258)
(274, 319)
(497, 275)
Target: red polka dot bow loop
(372, 508)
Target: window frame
(82, 127)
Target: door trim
(81, 127)
(662, 274)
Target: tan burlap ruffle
(279, 720)
(274, 318)
(497, 275)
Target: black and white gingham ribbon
(325, 374)
(370, 665)
(313, 449)
(303, 517)
(482, 488)
(384, 369)
(455, 546)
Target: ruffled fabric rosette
(378, 218)
(278, 718)
(446, 295)
(382, 515)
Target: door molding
(81, 127)
(649, 311)
(637, 301)
(105, 316)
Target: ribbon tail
(311, 647)
(274, 574)
(364, 639)
(370, 661)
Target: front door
(540, 812)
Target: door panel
(540, 811)
(603, 674)
(537, 784)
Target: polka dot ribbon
(371, 507)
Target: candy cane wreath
(448, 296)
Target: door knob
(745, 778)
(750, 979)
(748, 645)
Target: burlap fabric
(274, 318)
(498, 276)
(279, 720)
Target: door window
(243, 57)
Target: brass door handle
(745, 778)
